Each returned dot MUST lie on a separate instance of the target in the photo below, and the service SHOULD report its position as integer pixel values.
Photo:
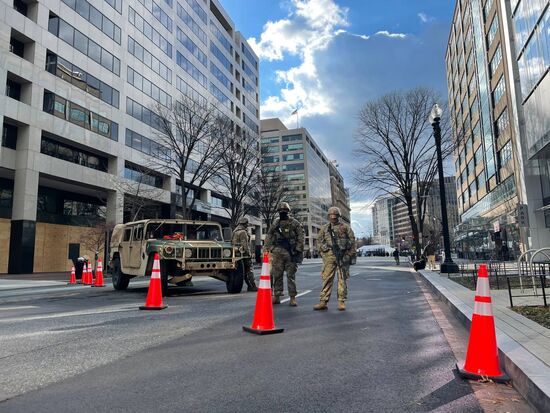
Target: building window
(192, 47)
(492, 31)
(270, 149)
(141, 143)
(505, 154)
(293, 147)
(192, 24)
(144, 114)
(499, 91)
(502, 123)
(78, 115)
(271, 159)
(190, 91)
(191, 69)
(149, 60)
(158, 13)
(94, 16)
(87, 46)
(289, 138)
(9, 136)
(137, 21)
(495, 61)
(69, 153)
(293, 167)
(13, 89)
(150, 89)
(293, 157)
(270, 140)
(142, 176)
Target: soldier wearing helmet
(285, 242)
(336, 242)
(241, 239)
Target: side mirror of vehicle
(227, 234)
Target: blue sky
(329, 57)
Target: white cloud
(309, 28)
(424, 18)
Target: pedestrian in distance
(241, 240)
(429, 252)
(336, 241)
(285, 242)
(396, 256)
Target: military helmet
(283, 206)
(334, 211)
(242, 221)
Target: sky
(329, 57)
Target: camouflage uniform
(284, 237)
(345, 241)
(241, 239)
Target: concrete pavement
(524, 346)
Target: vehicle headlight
(226, 253)
(168, 250)
(188, 253)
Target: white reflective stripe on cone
(156, 269)
(265, 284)
(483, 308)
(265, 268)
(483, 287)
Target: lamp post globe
(447, 266)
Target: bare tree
(395, 144)
(140, 195)
(190, 133)
(267, 193)
(240, 165)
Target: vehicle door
(136, 246)
(124, 248)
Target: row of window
(248, 54)
(144, 27)
(147, 87)
(94, 16)
(143, 114)
(158, 13)
(495, 61)
(502, 123)
(142, 176)
(223, 79)
(115, 4)
(191, 69)
(76, 114)
(149, 60)
(80, 42)
(199, 11)
(499, 91)
(248, 121)
(81, 79)
(192, 24)
(250, 106)
(69, 153)
(9, 136)
(190, 91)
(141, 143)
(218, 34)
(293, 167)
(220, 96)
(221, 57)
(293, 147)
(274, 139)
(492, 31)
(192, 47)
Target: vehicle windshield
(187, 232)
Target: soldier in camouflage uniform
(285, 242)
(336, 242)
(241, 239)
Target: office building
(383, 221)
(77, 84)
(307, 175)
(339, 193)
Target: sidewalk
(524, 345)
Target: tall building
(497, 64)
(432, 228)
(339, 193)
(77, 84)
(306, 173)
(383, 221)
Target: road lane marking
(298, 295)
(22, 307)
(70, 314)
(373, 279)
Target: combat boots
(252, 288)
(293, 302)
(276, 300)
(321, 306)
(341, 306)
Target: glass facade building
(78, 84)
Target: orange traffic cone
(72, 281)
(263, 322)
(85, 274)
(99, 275)
(154, 295)
(482, 355)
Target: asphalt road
(82, 349)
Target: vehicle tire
(164, 270)
(235, 279)
(120, 280)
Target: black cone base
(263, 332)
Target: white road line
(70, 314)
(373, 279)
(22, 307)
(298, 295)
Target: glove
(325, 248)
(298, 257)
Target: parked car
(186, 249)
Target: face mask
(283, 215)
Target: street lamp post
(448, 266)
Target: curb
(523, 367)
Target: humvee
(186, 249)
